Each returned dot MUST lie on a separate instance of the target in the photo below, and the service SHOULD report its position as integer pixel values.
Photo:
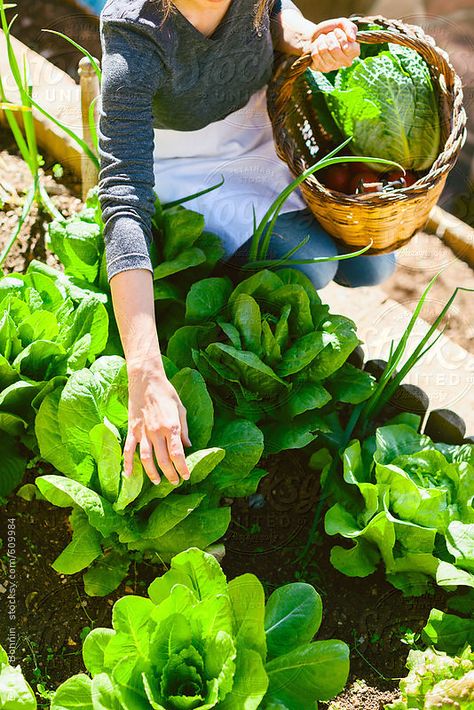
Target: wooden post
(89, 91)
(457, 234)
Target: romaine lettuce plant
(181, 252)
(270, 351)
(437, 681)
(44, 337)
(15, 693)
(81, 428)
(442, 675)
(181, 243)
(201, 642)
(79, 244)
(408, 502)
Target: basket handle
(426, 47)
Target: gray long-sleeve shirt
(165, 77)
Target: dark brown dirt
(15, 181)
(52, 611)
(61, 16)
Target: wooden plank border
(58, 93)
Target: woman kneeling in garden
(184, 102)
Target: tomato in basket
(336, 177)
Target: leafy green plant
(44, 337)
(400, 364)
(24, 132)
(408, 502)
(180, 243)
(116, 519)
(270, 351)
(365, 416)
(437, 681)
(442, 675)
(15, 693)
(449, 632)
(79, 244)
(182, 252)
(201, 642)
(386, 102)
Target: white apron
(240, 147)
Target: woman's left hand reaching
(333, 44)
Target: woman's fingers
(349, 49)
(335, 50)
(176, 452)
(332, 51)
(163, 458)
(184, 425)
(157, 422)
(169, 454)
(347, 26)
(146, 456)
(320, 54)
(128, 453)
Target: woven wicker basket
(390, 219)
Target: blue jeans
(291, 227)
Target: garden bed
(267, 533)
(369, 614)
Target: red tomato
(336, 177)
(410, 177)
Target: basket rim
(451, 148)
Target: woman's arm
(156, 416)
(332, 43)
(131, 75)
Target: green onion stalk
(262, 233)
(24, 134)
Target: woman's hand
(157, 422)
(334, 45)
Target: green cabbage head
(387, 103)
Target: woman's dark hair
(259, 10)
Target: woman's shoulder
(139, 11)
(139, 16)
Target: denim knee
(290, 229)
(320, 275)
(365, 270)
